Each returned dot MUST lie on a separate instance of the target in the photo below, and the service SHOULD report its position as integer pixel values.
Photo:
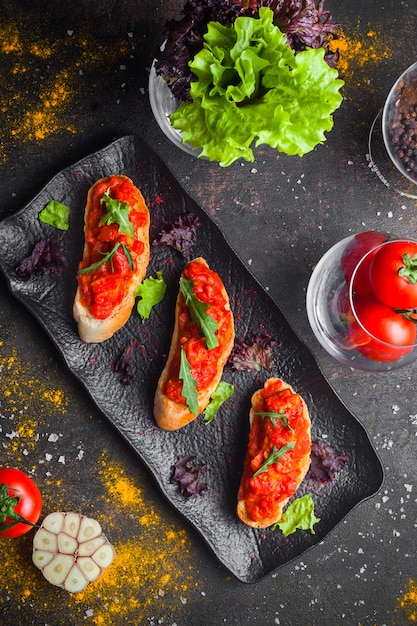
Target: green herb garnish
(55, 214)
(117, 213)
(274, 416)
(189, 385)
(249, 87)
(151, 292)
(108, 257)
(199, 315)
(274, 457)
(222, 393)
(300, 514)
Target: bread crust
(171, 415)
(302, 465)
(91, 329)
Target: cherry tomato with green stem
(391, 335)
(20, 503)
(393, 274)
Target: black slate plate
(249, 554)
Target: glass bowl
(399, 123)
(163, 103)
(333, 317)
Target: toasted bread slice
(170, 407)
(93, 328)
(262, 498)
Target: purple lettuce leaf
(188, 476)
(181, 234)
(304, 23)
(326, 463)
(47, 254)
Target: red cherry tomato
(393, 274)
(353, 253)
(18, 495)
(396, 333)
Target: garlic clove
(45, 540)
(104, 556)
(54, 522)
(75, 581)
(41, 558)
(58, 569)
(89, 529)
(67, 544)
(90, 569)
(88, 547)
(72, 524)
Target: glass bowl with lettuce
(229, 79)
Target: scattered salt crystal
(395, 408)
(89, 613)
(123, 67)
(48, 457)
(70, 32)
(25, 452)
(142, 90)
(80, 455)
(183, 600)
(12, 435)
(254, 170)
(390, 214)
(61, 459)
(249, 261)
(53, 437)
(408, 487)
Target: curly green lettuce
(251, 88)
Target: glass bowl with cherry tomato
(362, 301)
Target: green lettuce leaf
(300, 514)
(251, 88)
(151, 291)
(55, 214)
(222, 393)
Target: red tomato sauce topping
(208, 288)
(264, 493)
(102, 289)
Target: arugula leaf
(250, 86)
(55, 214)
(300, 514)
(274, 416)
(274, 457)
(189, 385)
(222, 393)
(117, 213)
(151, 291)
(198, 310)
(108, 257)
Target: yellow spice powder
(408, 602)
(358, 52)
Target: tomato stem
(409, 314)
(8, 504)
(409, 269)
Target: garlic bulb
(71, 551)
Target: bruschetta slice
(115, 259)
(202, 341)
(278, 453)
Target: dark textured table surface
(73, 79)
